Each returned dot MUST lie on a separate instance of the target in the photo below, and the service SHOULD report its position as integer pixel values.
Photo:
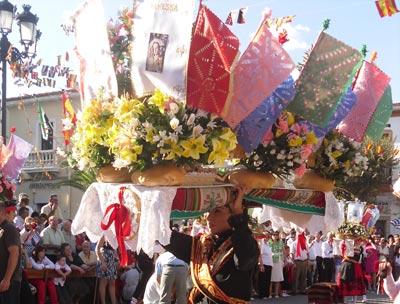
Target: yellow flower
(173, 151)
(290, 118)
(311, 139)
(159, 100)
(193, 147)
(278, 133)
(219, 153)
(347, 164)
(230, 138)
(295, 141)
(336, 154)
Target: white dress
(277, 265)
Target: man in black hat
(10, 256)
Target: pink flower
(296, 128)
(268, 137)
(6, 184)
(300, 170)
(283, 125)
(306, 151)
(13, 187)
(1, 189)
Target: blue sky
(355, 22)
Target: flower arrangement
(381, 155)
(352, 230)
(339, 158)
(285, 148)
(7, 189)
(91, 138)
(140, 133)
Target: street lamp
(29, 36)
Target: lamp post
(29, 36)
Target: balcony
(41, 161)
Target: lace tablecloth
(154, 209)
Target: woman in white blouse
(41, 262)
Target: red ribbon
(343, 248)
(121, 217)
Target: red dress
(350, 278)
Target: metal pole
(4, 50)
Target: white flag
(93, 50)
(161, 44)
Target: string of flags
(386, 7)
(38, 74)
(237, 16)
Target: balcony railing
(44, 160)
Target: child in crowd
(63, 270)
(288, 271)
(40, 262)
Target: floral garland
(140, 133)
(285, 148)
(339, 158)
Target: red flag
(386, 7)
(212, 52)
(69, 121)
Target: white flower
(197, 130)
(173, 108)
(290, 164)
(61, 152)
(202, 113)
(191, 119)
(147, 125)
(174, 123)
(273, 151)
(120, 163)
(280, 156)
(256, 157)
(156, 138)
(211, 124)
(81, 164)
(290, 156)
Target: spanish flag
(69, 121)
(386, 7)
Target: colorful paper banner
(324, 79)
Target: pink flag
(19, 150)
(260, 70)
(369, 88)
(93, 50)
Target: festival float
(177, 119)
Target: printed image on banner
(161, 46)
(323, 80)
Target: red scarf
(301, 244)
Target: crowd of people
(239, 264)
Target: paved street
(372, 299)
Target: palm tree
(79, 179)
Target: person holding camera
(30, 237)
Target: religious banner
(212, 52)
(161, 41)
(93, 50)
(369, 87)
(383, 112)
(252, 129)
(19, 150)
(260, 70)
(325, 77)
